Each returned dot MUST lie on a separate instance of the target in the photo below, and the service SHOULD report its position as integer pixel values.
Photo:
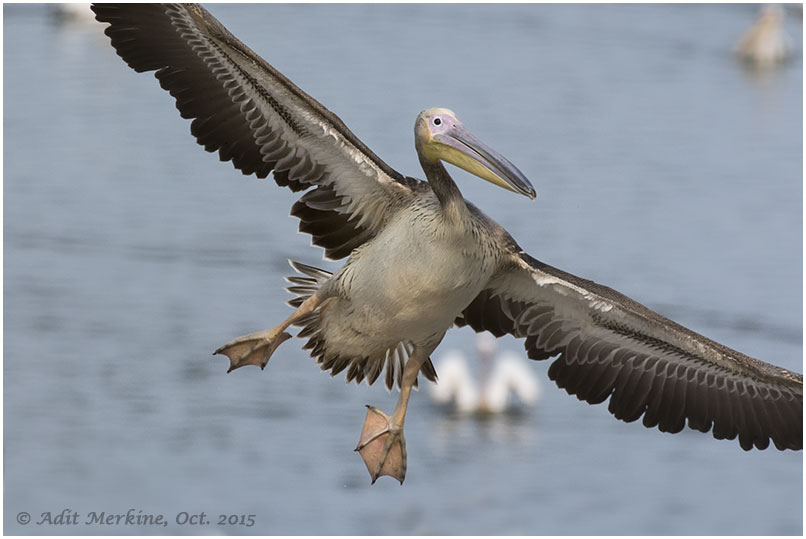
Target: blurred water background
(664, 169)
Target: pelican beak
(458, 147)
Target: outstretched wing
(609, 346)
(255, 117)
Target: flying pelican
(422, 258)
(500, 376)
(766, 43)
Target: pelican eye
(437, 121)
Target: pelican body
(766, 43)
(421, 259)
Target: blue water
(664, 169)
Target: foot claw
(253, 349)
(382, 446)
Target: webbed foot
(382, 446)
(253, 349)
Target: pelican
(501, 376)
(73, 12)
(421, 258)
(766, 43)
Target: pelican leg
(256, 348)
(382, 444)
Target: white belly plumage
(404, 285)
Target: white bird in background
(73, 13)
(500, 377)
(766, 43)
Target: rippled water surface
(664, 169)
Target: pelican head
(439, 135)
